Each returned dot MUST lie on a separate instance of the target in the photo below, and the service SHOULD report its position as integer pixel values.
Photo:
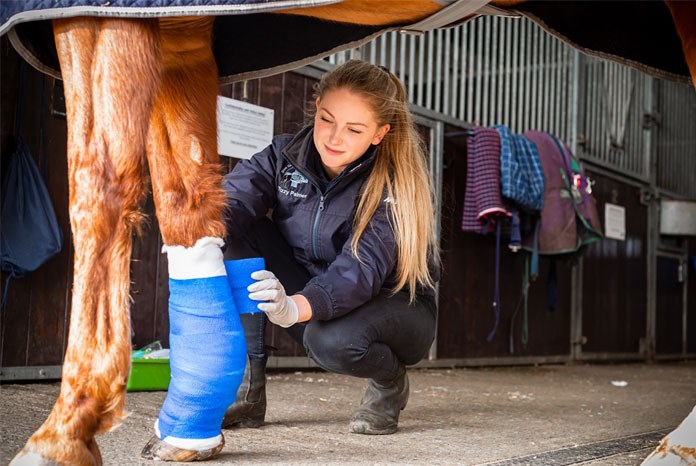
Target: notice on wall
(243, 128)
(614, 221)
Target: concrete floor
(545, 415)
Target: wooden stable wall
(35, 320)
(33, 326)
(466, 291)
(691, 293)
(614, 276)
(34, 323)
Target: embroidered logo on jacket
(290, 181)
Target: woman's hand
(280, 309)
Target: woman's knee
(418, 340)
(332, 347)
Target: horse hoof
(158, 450)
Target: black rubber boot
(249, 408)
(381, 404)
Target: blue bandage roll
(239, 274)
(207, 358)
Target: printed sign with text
(243, 128)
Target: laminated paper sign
(614, 221)
(243, 128)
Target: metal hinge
(651, 120)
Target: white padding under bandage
(202, 260)
(189, 443)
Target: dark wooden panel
(466, 312)
(161, 306)
(237, 91)
(50, 309)
(34, 322)
(669, 307)
(15, 322)
(466, 291)
(14, 318)
(691, 299)
(271, 96)
(9, 74)
(144, 289)
(614, 277)
(549, 324)
(296, 99)
(56, 178)
(452, 301)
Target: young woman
(349, 246)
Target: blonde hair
(400, 169)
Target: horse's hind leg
(109, 90)
(207, 349)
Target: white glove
(280, 309)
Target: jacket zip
(317, 215)
(315, 227)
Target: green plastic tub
(148, 375)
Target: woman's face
(344, 127)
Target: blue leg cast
(239, 274)
(207, 347)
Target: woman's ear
(317, 102)
(381, 132)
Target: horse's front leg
(208, 352)
(109, 91)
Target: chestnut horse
(140, 90)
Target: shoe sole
(244, 423)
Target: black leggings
(372, 341)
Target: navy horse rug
(244, 29)
(251, 40)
